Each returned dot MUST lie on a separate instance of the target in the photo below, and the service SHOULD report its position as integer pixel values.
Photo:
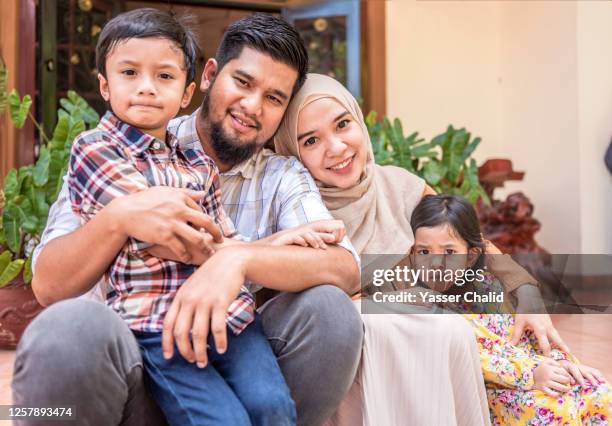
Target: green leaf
(5, 259)
(433, 171)
(27, 271)
(19, 108)
(11, 223)
(11, 184)
(40, 173)
(469, 150)
(11, 271)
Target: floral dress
(508, 374)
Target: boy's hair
(266, 34)
(148, 23)
(443, 209)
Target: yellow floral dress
(508, 374)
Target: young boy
(146, 62)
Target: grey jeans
(81, 353)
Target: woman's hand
(315, 234)
(551, 378)
(579, 373)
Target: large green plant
(30, 190)
(444, 162)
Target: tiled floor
(588, 336)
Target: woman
(405, 375)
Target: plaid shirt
(116, 159)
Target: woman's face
(331, 143)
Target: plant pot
(18, 307)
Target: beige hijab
(376, 211)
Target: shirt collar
(135, 139)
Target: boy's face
(145, 83)
(246, 102)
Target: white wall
(534, 79)
(442, 62)
(594, 27)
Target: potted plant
(445, 162)
(24, 203)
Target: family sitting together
(177, 223)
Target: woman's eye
(343, 123)
(242, 82)
(128, 72)
(423, 251)
(310, 141)
(165, 76)
(449, 251)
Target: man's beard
(228, 150)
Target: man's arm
(71, 261)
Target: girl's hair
(443, 209)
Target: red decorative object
(508, 224)
(18, 307)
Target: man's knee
(75, 336)
(333, 316)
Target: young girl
(523, 386)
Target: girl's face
(331, 143)
(440, 248)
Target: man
(80, 353)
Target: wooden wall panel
(9, 27)
(374, 60)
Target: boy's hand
(315, 234)
(579, 373)
(551, 378)
(200, 306)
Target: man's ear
(188, 94)
(210, 71)
(104, 87)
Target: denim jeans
(240, 387)
(78, 352)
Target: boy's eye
(165, 76)
(128, 72)
(422, 251)
(344, 123)
(449, 251)
(310, 141)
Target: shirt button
(156, 145)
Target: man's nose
(252, 104)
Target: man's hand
(165, 216)
(201, 305)
(543, 329)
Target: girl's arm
(503, 364)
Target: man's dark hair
(148, 23)
(266, 34)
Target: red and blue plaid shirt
(116, 159)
